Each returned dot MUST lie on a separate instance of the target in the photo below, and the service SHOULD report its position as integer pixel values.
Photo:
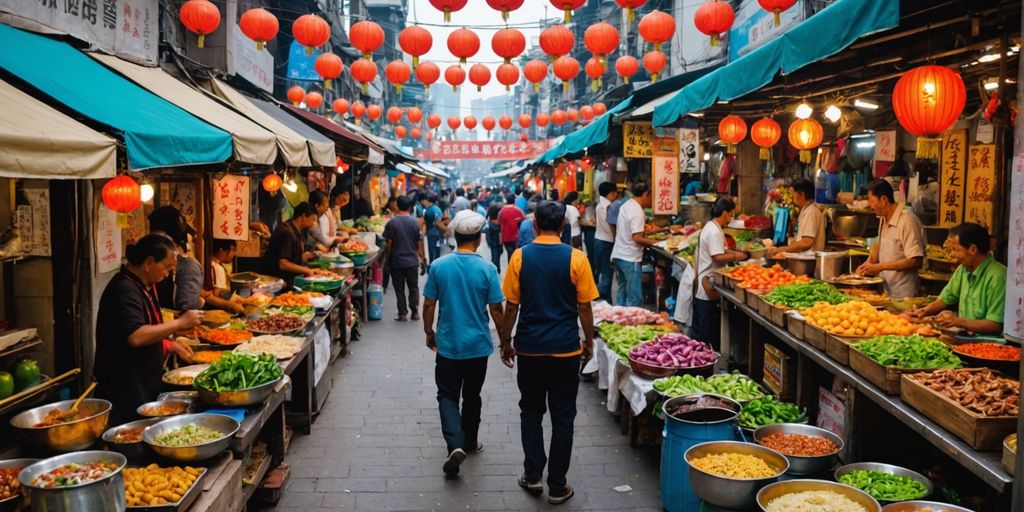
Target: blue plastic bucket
(375, 301)
(681, 434)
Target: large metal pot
(65, 437)
(105, 494)
(240, 398)
(732, 493)
(14, 502)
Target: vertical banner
(665, 178)
(1013, 325)
(951, 188)
(231, 207)
(689, 150)
(981, 181)
(637, 140)
(107, 240)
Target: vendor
(712, 255)
(810, 231)
(285, 256)
(183, 291)
(977, 289)
(323, 232)
(899, 252)
(130, 330)
(219, 294)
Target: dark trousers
(510, 247)
(706, 326)
(603, 268)
(553, 381)
(494, 243)
(589, 236)
(455, 377)
(406, 277)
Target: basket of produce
(91, 480)
(622, 338)
(1009, 453)
(163, 408)
(225, 337)
(672, 353)
(815, 496)
(626, 315)
(281, 347)
(733, 385)
(808, 449)
(126, 439)
(977, 405)
(276, 324)
(860, 319)
(756, 277)
(184, 376)
(10, 487)
(191, 437)
(923, 506)
(882, 360)
(239, 380)
(885, 482)
(769, 411)
(162, 488)
(997, 356)
(729, 474)
(805, 295)
(51, 428)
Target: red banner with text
(483, 150)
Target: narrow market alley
(378, 444)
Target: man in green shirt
(977, 289)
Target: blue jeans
(630, 292)
(603, 268)
(455, 377)
(433, 249)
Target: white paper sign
(34, 222)
(1014, 315)
(689, 150)
(107, 239)
(885, 146)
(249, 63)
(231, 208)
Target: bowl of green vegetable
(734, 385)
(885, 482)
(191, 437)
(768, 411)
(239, 380)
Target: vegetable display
(733, 385)
(674, 350)
(153, 485)
(9, 484)
(756, 277)
(814, 501)
(799, 445)
(235, 371)
(991, 351)
(735, 465)
(626, 315)
(188, 435)
(981, 391)
(622, 338)
(26, 374)
(769, 411)
(915, 352)
(805, 295)
(858, 318)
(885, 486)
(73, 474)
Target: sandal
(558, 500)
(401, 318)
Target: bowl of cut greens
(769, 411)
(885, 482)
(191, 437)
(239, 380)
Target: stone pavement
(378, 445)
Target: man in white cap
(466, 286)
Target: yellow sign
(981, 183)
(637, 140)
(951, 188)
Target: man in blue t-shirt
(466, 286)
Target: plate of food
(281, 347)
(226, 336)
(183, 377)
(276, 324)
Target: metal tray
(184, 503)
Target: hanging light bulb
(803, 111)
(290, 185)
(146, 190)
(707, 156)
(832, 113)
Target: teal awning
(156, 133)
(594, 133)
(823, 34)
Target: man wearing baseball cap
(466, 286)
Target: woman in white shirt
(572, 219)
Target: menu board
(231, 207)
(953, 170)
(981, 182)
(637, 140)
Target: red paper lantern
(627, 66)
(525, 120)
(448, 6)
(714, 17)
(414, 114)
(507, 75)
(314, 100)
(587, 112)
(505, 122)
(415, 133)
(398, 73)
(200, 17)
(524, 137)
(122, 194)
(455, 76)
(601, 39)
(488, 123)
(259, 25)
(366, 36)
(594, 70)
(657, 28)
(776, 7)
(732, 130)
(394, 115)
(479, 75)
(543, 119)
(429, 136)
(433, 120)
(454, 122)
(463, 43)
(558, 117)
(573, 115)
(568, 6)
(630, 6)
(416, 41)
(363, 71)
(311, 31)
(557, 40)
(373, 112)
(272, 183)
(565, 68)
(329, 67)
(340, 106)
(469, 122)
(358, 110)
(765, 133)
(427, 73)
(508, 43)
(927, 101)
(535, 71)
(296, 94)
(400, 132)
(505, 6)
(654, 62)
(600, 108)
(805, 135)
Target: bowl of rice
(728, 474)
(814, 496)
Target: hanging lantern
(626, 66)
(363, 71)
(296, 94)
(558, 117)
(630, 6)
(414, 114)
(454, 122)
(776, 7)
(525, 120)
(657, 28)
(568, 6)
(714, 17)
(507, 75)
(927, 101)
(463, 43)
(479, 75)
(366, 36)
(505, 122)
(394, 115)
(455, 76)
(122, 195)
(587, 112)
(535, 72)
(524, 137)
(259, 25)
(329, 67)
(358, 110)
(600, 108)
(805, 135)
(448, 7)
(654, 62)
(311, 31)
(340, 106)
(398, 73)
(429, 136)
(314, 100)
(373, 112)
(488, 123)
(601, 39)
(765, 133)
(400, 132)
(433, 121)
(427, 73)
(415, 133)
(505, 6)
(469, 122)
(508, 43)
(565, 68)
(272, 183)
(200, 17)
(557, 40)
(594, 70)
(732, 130)
(543, 119)
(416, 41)
(573, 115)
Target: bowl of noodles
(814, 496)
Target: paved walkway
(378, 444)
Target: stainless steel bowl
(170, 377)
(144, 409)
(65, 437)
(107, 493)
(933, 506)
(888, 468)
(731, 493)
(130, 450)
(802, 465)
(240, 398)
(179, 395)
(779, 489)
(223, 424)
(14, 463)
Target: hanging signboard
(689, 150)
(981, 181)
(33, 220)
(951, 188)
(107, 239)
(665, 177)
(244, 60)
(1013, 325)
(231, 208)
(181, 195)
(637, 140)
(484, 150)
(885, 146)
(754, 26)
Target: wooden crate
(887, 378)
(777, 314)
(764, 308)
(729, 281)
(980, 432)
(838, 348)
(717, 278)
(796, 327)
(741, 295)
(814, 335)
(754, 300)
(779, 372)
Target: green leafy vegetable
(805, 295)
(885, 486)
(622, 338)
(744, 236)
(769, 411)
(733, 385)
(235, 371)
(916, 352)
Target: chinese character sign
(1013, 324)
(885, 146)
(484, 150)
(231, 208)
(107, 240)
(689, 150)
(665, 180)
(637, 140)
(34, 222)
(981, 183)
(953, 172)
